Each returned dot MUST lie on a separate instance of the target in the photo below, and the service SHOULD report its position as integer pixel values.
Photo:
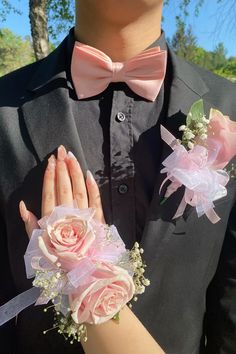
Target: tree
(228, 70)
(219, 56)
(14, 51)
(184, 42)
(46, 17)
(39, 27)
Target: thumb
(30, 220)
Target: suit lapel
(50, 123)
(47, 112)
(186, 88)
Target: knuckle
(49, 174)
(64, 190)
(97, 201)
(49, 197)
(79, 195)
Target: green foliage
(228, 70)
(184, 42)
(15, 51)
(195, 114)
(60, 15)
(5, 8)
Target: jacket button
(123, 188)
(121, 117)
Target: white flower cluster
(48, 282)
(69, 329)
(231, 170)
(138, 267)
(196, 130)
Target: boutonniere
(198, 160)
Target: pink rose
(222, 131)
(67, 240)
(110, 288)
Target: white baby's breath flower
(199, 125)
(189, 135)
(205, 120)
(146, 282)
(203, 136)
(190, 145)
(182, 128)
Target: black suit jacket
(190, 306)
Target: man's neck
(119, 41)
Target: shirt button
(123, 188)
(121, 117)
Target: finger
(29, 219)
(49, 188)
(78, 182)
(63, 182)
(94, 197)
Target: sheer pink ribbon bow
(194, 170)
(92, 71)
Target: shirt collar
(159, 42)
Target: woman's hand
(64, 183)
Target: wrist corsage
(83, 268)
(198, 161)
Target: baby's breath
(68, 328)
(231, 170)
(138, 267)
(48, 281)
(196, 130)
(196, 126)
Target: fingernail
(23, 211)
(90, 177)
(71, 155)
(61, 153)
(51, 161)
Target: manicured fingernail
(90, 177)
(23, 212)
(71, 155)
(61, 153)
(51, 161)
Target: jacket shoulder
(214, 81)
(220, 92)
(13, 86)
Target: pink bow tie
(92, 71)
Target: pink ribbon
(194, 170)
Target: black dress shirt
(121, 133)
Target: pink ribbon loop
(194, 170)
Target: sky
(213, 25)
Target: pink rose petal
(223, 131)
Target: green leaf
(116, 317)
(195, 114)
(163, 200)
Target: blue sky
(208, 27)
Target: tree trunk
(39, 27)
